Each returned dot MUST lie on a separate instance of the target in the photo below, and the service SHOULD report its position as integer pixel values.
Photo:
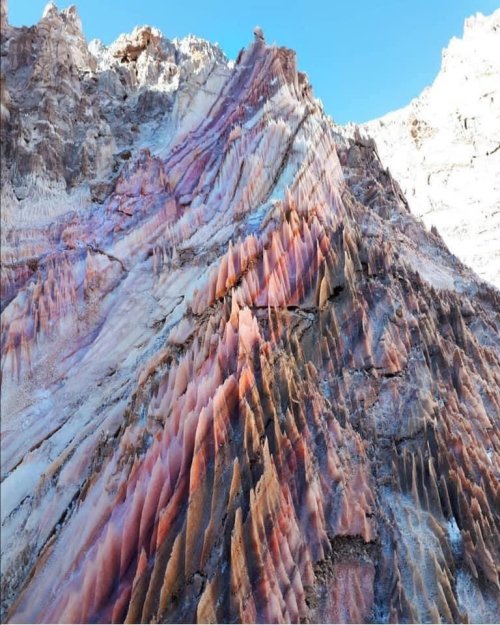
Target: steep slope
(444, 147)
(246, 384)
(75, 113)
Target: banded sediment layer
(241, 382)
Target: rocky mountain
(444, 147)
(241, 382)
(72, 112)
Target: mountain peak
(241, 381)
(443, 147)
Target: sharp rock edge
(240, 381)
(444, 147)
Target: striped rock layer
(248, 386)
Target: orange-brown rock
(247, 385)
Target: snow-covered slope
(444, 147)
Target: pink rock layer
(249, 387)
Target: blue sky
(364, 58)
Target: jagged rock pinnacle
(444, 147)
(241, 382)
(258, 33)
(50, 9)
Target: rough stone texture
(74, 113)
(245, 383)
(444, 147)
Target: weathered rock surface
(74, 112)
(245, 383)
(444, 147)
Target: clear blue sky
(364, 57)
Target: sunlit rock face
(245, 384)
(444, 147)
(74, 113)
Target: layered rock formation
(444, 147)
(73, 112)
(241, 382)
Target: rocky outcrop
(72, 115)
(75, 112)
(246, 384)
(444, 147)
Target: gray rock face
(73, 113)
(444, 147)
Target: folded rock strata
(245, 384)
